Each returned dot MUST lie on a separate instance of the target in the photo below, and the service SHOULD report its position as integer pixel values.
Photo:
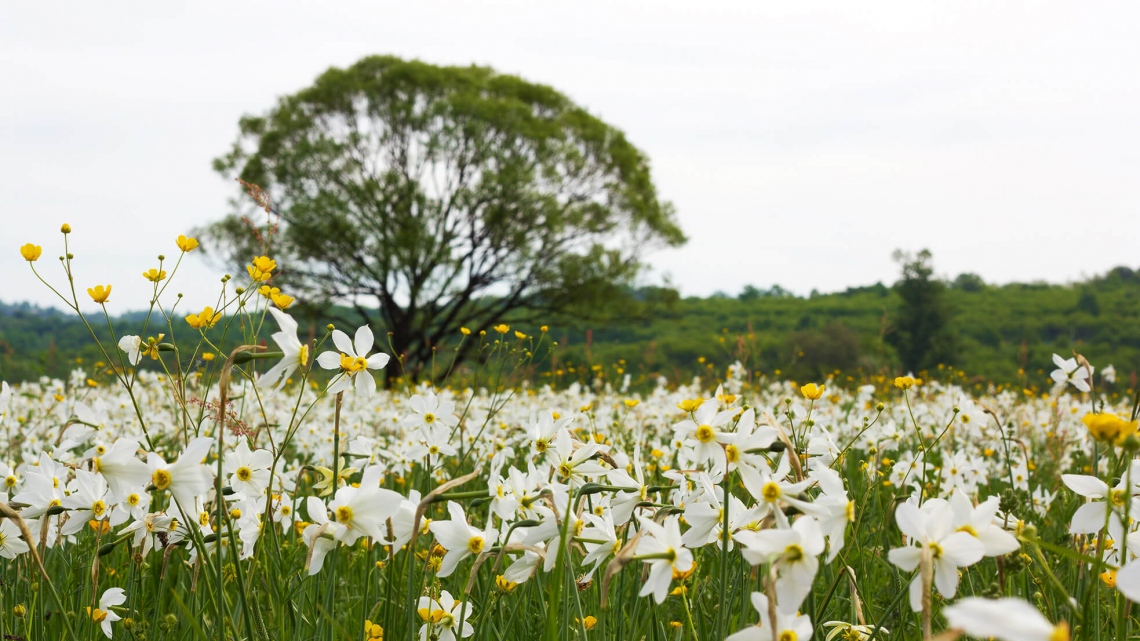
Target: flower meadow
(276, 491)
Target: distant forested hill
(1000, 330)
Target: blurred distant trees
(922, 333)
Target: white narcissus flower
(459, 539)
(931, 527)
(663, 541)
(320, 535)
(125, 474)
(88, 499)
(248, 470)
(1008, 619)
(790, 626)
(104, 615)
(795, 554)
(132, 345)
(296, 354)
(11, 544)
(443, 617)
(1091, 517)
(1128, 581)
(574, 466)
(353, 362)
(187, 478)
(1069, 371)
(979, 523)
(700, 433)
(364, 510)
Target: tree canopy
(427, 197)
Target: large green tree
(922, 334)
(425, 198)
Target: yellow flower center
(10, 481)
(133, 500)
(705, 434)
(732, 453)
(475, 544)
(935, 551)
(771, 491)
(541, 445)
(343, 514)
(429, 418)
(244, 473)
(98, 508)
(788, 635)
(161, 479)
(353, 365)
(969, 529)
(793, 553)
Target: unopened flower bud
(65, 228)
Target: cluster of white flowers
(659, 473)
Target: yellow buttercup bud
(65, 228)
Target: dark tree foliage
(922, 335)
(426, 198)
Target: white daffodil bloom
(320, 535)
(662, 541)
(132, 345)
(248, 470)
(932, 529)
(104, 615)
(364, 510)
(795, 554)
(296, 353)
(187, 478)
(574, 465)
(1093, 516)
(430, 411)
(1068, 371)
(88, 500)
(353, 362)
(124, 472)
(979, 523)
(700, 434)
(790, 626)
(444, 617)
(1007, 619)
(11, 544)
(459, 539)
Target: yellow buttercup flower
(30, 252)
(99, 293)
(281, 300)
(207, 319)
(1109, 578)
(373, 631)
(589, 622)
(904, 382)
(261, 268)
(186, 244)
(464, 331)
(268, 291)
(502, 328)
(811, 391)
(690, 405)
(1109, 428)
(154, 275)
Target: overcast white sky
(801, 142)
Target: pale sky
(801, 142)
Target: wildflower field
(275, 491)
